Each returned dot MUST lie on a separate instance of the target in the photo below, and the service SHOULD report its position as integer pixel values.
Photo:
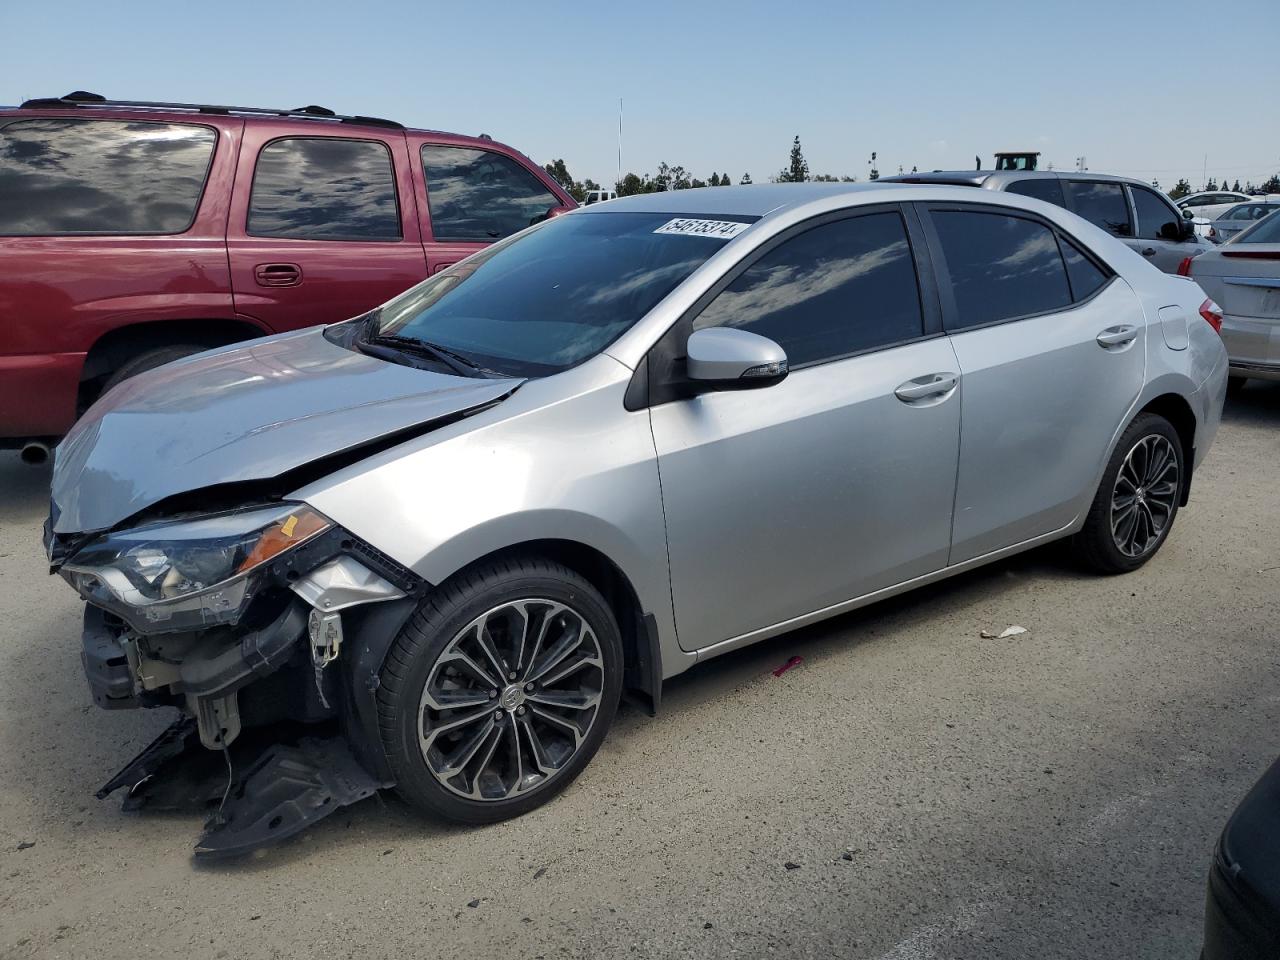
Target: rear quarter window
(1048, 189)
(63, 177)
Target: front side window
(317, 188)
(558, 295)
(1048, 189)
(62, 177)
(1156, 219)
(836, 289)
(1001, 267)
(479, 195)
(1102, 204)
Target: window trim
(951, 313)
(1128, 203)
(195, 210)
(426, 183)
(395, 190)
(669, 349)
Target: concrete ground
(1056, 794)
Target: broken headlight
(188, 574)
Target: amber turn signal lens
(303, 524)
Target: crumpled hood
(242, 413)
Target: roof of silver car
(748, 200)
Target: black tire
(1235, 385)
(149, 360)
(1096, 545)
(437, 625)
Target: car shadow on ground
(1258, 403)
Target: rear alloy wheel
(1138, 499)
(499, 690)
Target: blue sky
(1145, 89)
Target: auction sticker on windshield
(716, 229)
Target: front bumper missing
(281, 789)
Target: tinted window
(1042, 188)
(324, 189)
(831, 291)
(1000, 267)
(1086, 277)
(1153, 214)
(481, 195)
(554, 296)
(1102, 204)
(61, 177)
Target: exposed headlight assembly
(188, 574)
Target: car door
(1051, 347)
(1161, 237)
(836, 482)
(474, 197)
(322, 228)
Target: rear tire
(149, 360)
(484, 715)
(1235, 385)
(1137, 501)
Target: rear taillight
(1212, 314)
(1184, 268)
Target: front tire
(1137, 501)
(499, 690)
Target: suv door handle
(1118, 336)
(930, 385)
(277, 274)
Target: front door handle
(277, 274)
(1118, 336)
(926, 387)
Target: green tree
(798, 170)
(629, 185)
(1236, 186)
(1211, 185)
(1180, 189)
(1270, 186)
(746, 178)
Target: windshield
(1266, 230)
(558, 294)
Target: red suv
(132, 233)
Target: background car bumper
(1253, 346)
(38, 395)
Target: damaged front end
(265, 627)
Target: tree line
(797, 170)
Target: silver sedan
(446, 536)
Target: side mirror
(1174, 231)
(726, 358)
(1188, 213)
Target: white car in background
(1240, 216)
(1208, 205)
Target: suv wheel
(499, 690)
(149, 360)
(1137, 502)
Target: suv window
(323, 188)
(1001, 267)
(833, 290)
(1153, 214)
(61, 177)
(479, 195)
(1102, 204)
(1042, 188)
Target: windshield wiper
(423, 348)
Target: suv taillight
(1184, 268)
(1213, 314)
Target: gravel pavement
(939, 795)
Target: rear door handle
(277, 274)
(1118, 336)
(926, 387)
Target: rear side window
(831, 291)
(61, 177)
(1153, 215)
(479, 195)
(314, 188)
(1048, 189)
(1086, 277)
(1001, 267)
(1102, 204)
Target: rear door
(322, 227)
(1051, 347)
(1159, 231)
(836, 482)
(473, 197)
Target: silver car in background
(445, 537)
(1240, 217)
(1243, 276)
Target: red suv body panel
(60, 296)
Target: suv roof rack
(82, 98)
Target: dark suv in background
(132, 234)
